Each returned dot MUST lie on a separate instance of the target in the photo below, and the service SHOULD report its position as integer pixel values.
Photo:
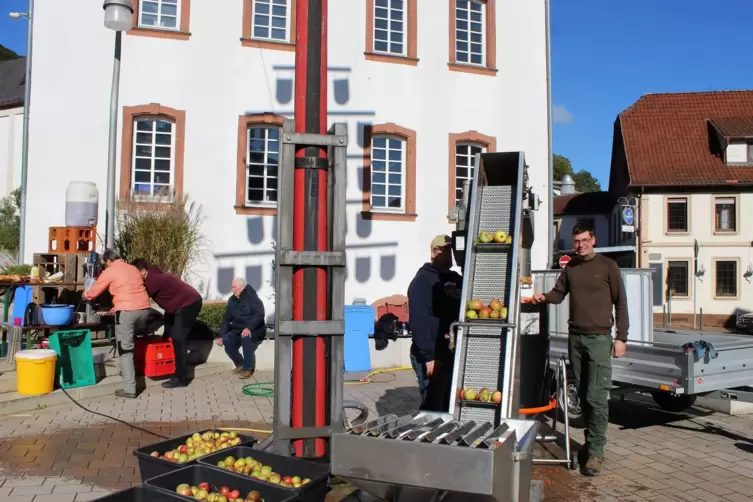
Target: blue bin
(359, 324)
(57, 315)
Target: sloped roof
(733, 127)
(667, 140)
(583, 203)
(12, 75)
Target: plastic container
(57, 315)
(313, 491)
(75, 364)
(140, 494)
(196, 474)
(359, 324)
(150, 467)
(154, 357)
(35, 371)
(81, 204)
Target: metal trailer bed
(658, 361)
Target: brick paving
(65, 454)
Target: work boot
(124, 394)
(593, 466)
(246, 374)
(173, 383)
(583, 456)
(238, 369)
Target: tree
(10, 221)
(7, 54)
(584, 181)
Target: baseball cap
(440, 241)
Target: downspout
(550, 171)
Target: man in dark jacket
(434, 298)
(182, 304)
(243, 326)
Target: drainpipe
(550, 171)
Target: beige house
(688, 160)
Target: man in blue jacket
(243, 326)
(434, 298)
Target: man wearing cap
(434, 298)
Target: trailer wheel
(574, 409)
(673, 402)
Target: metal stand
(286, 261)
(561, 378)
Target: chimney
(567, 186)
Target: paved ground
(64, 454)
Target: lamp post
(119, 18)
(25, 146)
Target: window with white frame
(163, 14)
(389, 26)
(271, 20)
(470, 33)
(153, 157)
(388, 173)
(465, 154)
(261, 165)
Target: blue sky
(605, 55)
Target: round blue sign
(628, 215)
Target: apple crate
(195, 474)
(150, 467)
(140, 494)
(313, 491)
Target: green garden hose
(260, 389)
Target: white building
(11, 123)
(688, 160)
(211, 82)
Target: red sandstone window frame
(490, 41)
(409, 173)
(244, 122)
(410, 31)
(130, 114)
(474, 137)
(184, 24)
(247, 39)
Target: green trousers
(591, 361)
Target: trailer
(477, 450)
(673, 366)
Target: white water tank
(81, 204)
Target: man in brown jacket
(595, 286)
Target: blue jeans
(233, 342)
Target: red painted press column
(310, 390)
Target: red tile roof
(666, 138)
(733, 127)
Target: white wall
(737, 151)
(712, 246)
(11, 139)
(215, 80)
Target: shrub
(10, 221)
(209, 321)
(166, 234)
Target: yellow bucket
(35, 371)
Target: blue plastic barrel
(359, 324)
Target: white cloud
(560, 115)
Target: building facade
(422, 85)
(12, 74)
(688, 161)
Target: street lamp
(25, 146)
(119, 18)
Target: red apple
(204, 486)
(183, 448)
(234, 495)
(224, 490)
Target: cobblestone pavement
(65, 454)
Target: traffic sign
(628, 219)
(564, 260)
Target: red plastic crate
(154, 357)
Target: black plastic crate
(150, 467)
(140, 494)
(195, 474)
(313, 491)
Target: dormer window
(732, 137)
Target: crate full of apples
(494, 237)
(495, 310)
